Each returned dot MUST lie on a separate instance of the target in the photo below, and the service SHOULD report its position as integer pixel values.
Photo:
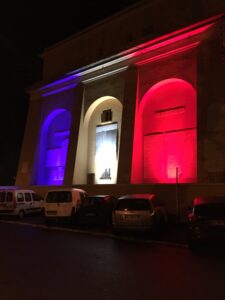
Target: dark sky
(27, 27)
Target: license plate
(51, 212)
(132, 217)
(90, 215)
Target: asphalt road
(171, 234)
(38, 264)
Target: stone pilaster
(74, 132)
(127, 129)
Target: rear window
(59, 197)
(134, 204)
(93, 201)
(210, 210)
(36, 197)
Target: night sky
(27, 27)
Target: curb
(99, 234)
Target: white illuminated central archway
(99, 147)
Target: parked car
(63, 204)
(143, 212)
(97, 209)
(19, 202)
(206, 221)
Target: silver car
(142, 212)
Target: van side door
(37, 202)
(28, 202)
(20, 202)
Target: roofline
(124, 55)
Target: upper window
(106, 116)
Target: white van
(19, 202)
(63, 203)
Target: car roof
(67, 190)
(17, 190)
(208, 199)
(10, 187)
(99, 196)
(138, 196)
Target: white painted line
(96, 233)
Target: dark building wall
(181, 65)
(30, 146)
(211, 108)
(145, 21)
(109, 86)
(55, 101)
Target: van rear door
(58, 203)
(6, 202)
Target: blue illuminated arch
(54, 142)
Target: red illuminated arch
(165, 134)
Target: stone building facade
(135, 103)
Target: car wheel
(48, 221)
(193, 244)
(108, 221)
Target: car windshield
(133, 204)
(210, 210)
(59, 197)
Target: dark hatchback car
(206, 220)
(97, 210)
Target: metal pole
(177, 198)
